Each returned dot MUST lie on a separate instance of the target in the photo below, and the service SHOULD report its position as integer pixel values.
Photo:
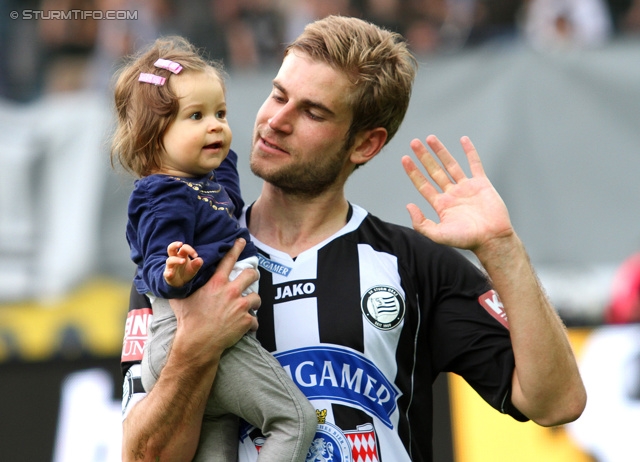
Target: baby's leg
(220, 434)
(156, 349)
(218, 439)
(252, 384)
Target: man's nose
(282, 119)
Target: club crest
(329, 445)
(383, 306)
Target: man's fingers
(254, 304)
(424, 187)
(450, 164)
(247, 277)
(448, 171)
(231, 257)
(420, 223)
(254, 301)
(431, 165)
(473, 157)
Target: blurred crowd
(44, 54)
(41, 55)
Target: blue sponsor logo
(272, 266)
(337, 374)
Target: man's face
(300, 130)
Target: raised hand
(546, 383)
(182, 264)
(470, 210)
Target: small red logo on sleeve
(135, 334)
(491, 302)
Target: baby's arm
(182, 264)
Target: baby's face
(198, 140)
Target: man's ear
(367, 145)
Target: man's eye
(196, 116)
(277, 97)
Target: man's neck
(293, 224)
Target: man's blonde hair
(376, 61)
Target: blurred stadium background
(549, 91)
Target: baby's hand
(182, 264)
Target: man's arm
(547, 386)
(165, 425)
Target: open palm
(471, 212)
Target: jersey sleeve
(135, 337)
(469, 332)
(479, 350)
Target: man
(363, 314)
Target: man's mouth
(272, 146)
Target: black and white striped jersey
(363, 323)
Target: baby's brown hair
(144, 110)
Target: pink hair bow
(151, 78)
(162, 64)
(168, 65)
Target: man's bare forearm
(547, 386)
(166, 424)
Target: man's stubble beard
(304, 180)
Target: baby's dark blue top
(201, 212)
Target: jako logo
(295, 290)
